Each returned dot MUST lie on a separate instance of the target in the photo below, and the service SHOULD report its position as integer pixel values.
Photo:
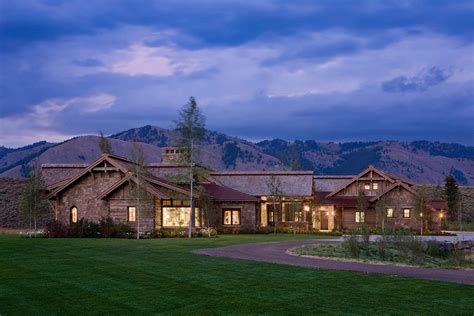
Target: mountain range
(420, 161)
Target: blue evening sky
(323, 70)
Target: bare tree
(421, 210)
(208, 210)
(34, 204)
(274, 188)
(138, 193)
(381, 208)
(190, 128)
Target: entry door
(324, 221)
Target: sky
(321, 70)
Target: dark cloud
(421, 82)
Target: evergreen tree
(190, 128)
(104, 144)
(451, 191)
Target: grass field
(105, 276)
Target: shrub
(208, 232)
(382, 248)
(352, 245)
(84, 228)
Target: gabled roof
(357, 177)
(397, 184)
(222, 193)
(127, 167)
(152, 189)
(115, 161)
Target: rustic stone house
(236, 199)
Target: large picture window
(132, 214)
(231, 217)
(293, 211)
(73, 214)
(179, 216)
(360, 217)
(272, 210)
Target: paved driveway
(276, 253)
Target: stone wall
(83, 195)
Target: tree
(104, 144)
(190, 128)
(295, 165)
(208, 208)
(451, 191)
(421, 208)
(138, 193)
(34, 203)
(274, 188)
(381, 207)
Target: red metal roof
(222, 193)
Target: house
(109, 186)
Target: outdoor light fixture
(332, 213)
(421, 214)
(306, 208)
(441, 215)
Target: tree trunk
(191, 181)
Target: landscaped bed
(407, 251)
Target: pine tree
(190, 128)
(104, 144)
(451, 191)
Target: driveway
(276, 253)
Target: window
(406, 212)
(273, 210)
(73, 214)
(293, 211)
(367, 186)
(231, 217)
(166, 202)
(360, 217)
(132, 213)
(390, 212)
(375, 186)
(179, 216)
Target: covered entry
(323, 218)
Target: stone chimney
(171, 155)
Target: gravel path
(276, 253)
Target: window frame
(409, 212)
(232, 210)
(359, 216)
(128, 214)
(71, 216)
(393, 212)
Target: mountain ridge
(421, 161)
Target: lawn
(106, 276)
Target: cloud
(427, 78)
(264, 69)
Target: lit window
(132, 213)
(231, 217)
(406, 212)
(73, 214)
(360, 217)
(390, 212)
(166, 202)
(367, 186)
(375, 186)
(179, 216)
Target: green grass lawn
(105, 276)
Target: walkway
(276, 253)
